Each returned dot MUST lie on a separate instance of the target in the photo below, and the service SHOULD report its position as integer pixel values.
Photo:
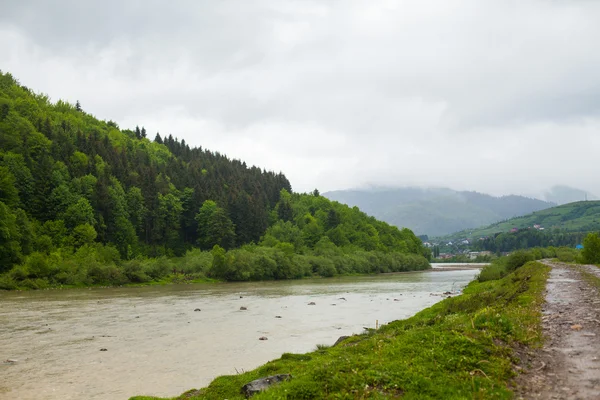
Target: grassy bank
(460, 348)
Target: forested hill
(436, 211)
(582, 216)
(63, 172)
(84, 202)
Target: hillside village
(466, 248)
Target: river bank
(156, 343)
(462, 347)
(181, 279)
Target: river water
(157, 344)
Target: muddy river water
(157, 344)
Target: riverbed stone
(262, 384)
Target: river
(157, 344)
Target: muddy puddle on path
(156, 343)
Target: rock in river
(262, 384)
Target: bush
(591, 249)
(8, 283)
(518, 259)
(196, 261)
(158, 267)
(566, 254)
(492, 272)
(134, 271)
(106, 275)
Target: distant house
(513, 230)
(537, 226)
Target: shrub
(591, 249)
(134, 271)
(518, 259)
(492, 272)
(566, 254)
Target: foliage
(502, 266)
(63, 167)
(582, 216)
(591, 249)
(528, 238)
(83, 202)
(461, 348)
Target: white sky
(495, 96)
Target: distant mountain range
(437, 211)
(582, 216)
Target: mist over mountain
(437, 211)
(561, 194)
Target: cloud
(496, 96)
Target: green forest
(528, 238)
(581, 216)
(83, 202)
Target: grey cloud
(396, 83)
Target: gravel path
(568, 365)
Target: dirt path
(568, 366)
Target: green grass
(589, 277)
(460, 348)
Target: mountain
(565, 194)
(436, 211)
(582, 216)
(83, 202)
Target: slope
(436, 211)
(583, 216)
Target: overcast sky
(495, 96)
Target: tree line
(85, 202)
(529, 238)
